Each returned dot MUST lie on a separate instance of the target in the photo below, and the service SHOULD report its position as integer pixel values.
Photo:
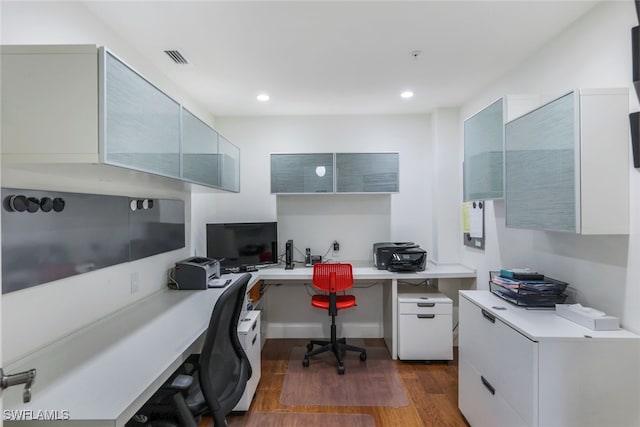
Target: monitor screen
(243, 244)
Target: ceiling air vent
(176, 56)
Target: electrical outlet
(336, 250)
(135, 282)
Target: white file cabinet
(249, 335)
(424, 326)
(533, 368)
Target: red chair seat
(342, 301)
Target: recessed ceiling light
(406, 94)
(263, 97)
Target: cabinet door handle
(426, 304)
(254, 340)
(254, 326)
(488, 385)
(489, 316)
(426, 316)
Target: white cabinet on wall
(335, 173)
(229, 165)
(484, 146)
(367, 172)
(199, 151)
(567, 164)
(80, 104)
(140, 124)
(520, 367)
(302, 173)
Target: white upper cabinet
(367, 172)
(302, 173)
(199, 151)
(141, 123)
(229, 165)
(484, 146)
(49, 103)
(82, 104)
(567, 164)
(335, 173)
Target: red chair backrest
(332, 277)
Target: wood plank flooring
(432, 390)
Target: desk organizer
(544, 293)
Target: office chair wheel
(309, 347)
(305, 362)
(363, 356)
(341, 369)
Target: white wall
(36, 316)
(594, 52)
(314, 221)
(410, 213)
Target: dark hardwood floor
(431, 388)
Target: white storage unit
(521, 367)
(81, 105)
(424, 326)
(249, 335)
(483, 167)
(567, 164)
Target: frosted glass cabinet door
(142, 128)
(483, 154)
(199, 151)
(367, 172)
(540, 170)
(302, 173)
(229, 165)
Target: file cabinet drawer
(425, 337)
(483, 404)
(425, 327)
(426, 303)
(503, 356)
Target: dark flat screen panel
(91, 232)
(157, 229)
(243, 244)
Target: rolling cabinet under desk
(424, 326)
(520, 367)
(389, 289)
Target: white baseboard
(319, 330)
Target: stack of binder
(527, 288)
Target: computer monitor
(243, 245)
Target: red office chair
(331, 279)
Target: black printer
(383, 253)
(408, 259)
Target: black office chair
(222, 372)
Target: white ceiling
(336, 57)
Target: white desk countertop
(104, 372)
(131, 352)
(433, 271)
(539, 325)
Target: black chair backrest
(223, 366)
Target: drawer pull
(254, 340)
(254, 326)
(426, 304)
(489, 316)
(426, 316)
(488, 385)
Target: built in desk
(103, 373)
(390, 292)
